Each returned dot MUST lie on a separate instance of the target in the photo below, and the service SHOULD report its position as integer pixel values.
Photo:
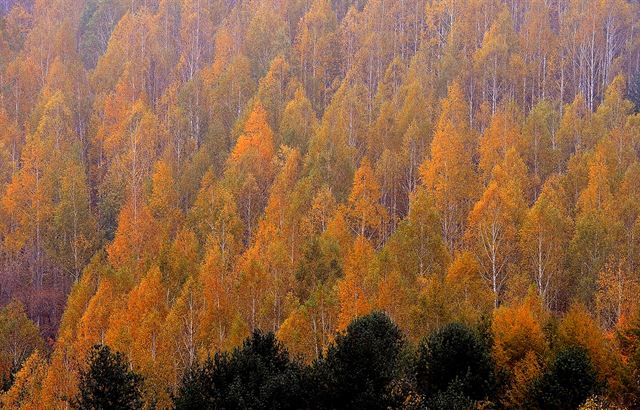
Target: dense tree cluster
(451, 369)
(177, 174)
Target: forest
(319, 204)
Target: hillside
(176, 175)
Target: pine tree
(568, 382)
(258, 374)
(454, 360)
(360, 365)
(108, 383)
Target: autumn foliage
(177, 175)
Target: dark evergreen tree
(570, 380)
(360, 366)
(454, 366)
(257, 375)
(108, 383)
